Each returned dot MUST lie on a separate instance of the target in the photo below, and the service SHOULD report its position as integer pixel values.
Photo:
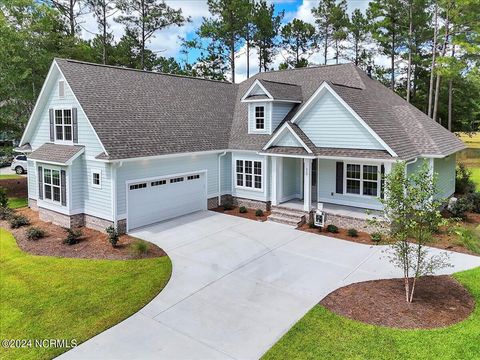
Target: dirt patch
(438, 301)
(362, 238)
(92, 245)
(250, 214)
(15, 187)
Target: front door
(314, 180)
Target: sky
(166, 42)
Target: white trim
(271, 101)
(99, 172)
(327, 87)
(256, 82)
(287, 155)
(60, 95)
(355, 159)
(280, 131)
(62, 109)
(148, 179)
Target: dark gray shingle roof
(139, 114)
(55, 153)
(283, 91)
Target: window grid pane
(239, 166)
(248, 180)
(58, 116)
(56, 194)
(239, 180)
(370, 172)
(248, 167)
(370, 188)
(353, 186)
(56, 177)
(353, 171)
(48, 192)
(47, 179)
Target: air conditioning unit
(319, 216)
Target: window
(97, 178)
(138, 186)
(63, 125)
(362, 179)
(51, 185)
(259, 117)
(158, 182)
(193, 177)
(249, 174)
(175, 180)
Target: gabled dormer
(268, 104)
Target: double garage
(157, 199)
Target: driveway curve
(237, 286)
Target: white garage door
(165, 198)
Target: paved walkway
(237, 286)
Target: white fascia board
(357, 159)
(256, 82)
(288, 155)
(272, 100)
(81, 108)
(165, 156)
(325, 87)
(39, 99)
(280, 132)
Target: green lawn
(472, 140)
(476, 176)
(12, 176)
(471, 156)
(16, 203)
(59, 298)
(321, 334)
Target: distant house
(130, 148)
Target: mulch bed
(93, 244)
(362, 238)
(438, 301)
(250, 214)
(15, 187)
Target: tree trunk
(356, 52)
(450, 96)
(104, 55)
(434, 52)
(410, 31)
(392, 60)
(325, 49)
(142, 50)
(232, 57)
(437, 85)
(71, 16)
(248, 54)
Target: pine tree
(297, 40)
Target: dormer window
(63, 125)
(260, 117)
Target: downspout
(114, 195)
(220, 177)
(409, 163)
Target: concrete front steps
(287, 216)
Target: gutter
(220, 177)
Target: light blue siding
(326, 189)
(329, 124)
(133, 170)
(96, 201)
(261, 195)
(287, 139)
(41, 133)
(77, 170)
(279, 111)
(226, 178)
(445, 170)
(291, 178)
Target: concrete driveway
(237, 286)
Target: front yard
(321, 334)
(47, 297)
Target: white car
(19, 164)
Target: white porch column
(274, 180)
(307, 184)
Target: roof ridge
(302, 68)
(279, 82)
(143, 71)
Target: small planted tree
(412, 212)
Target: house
(122, 147)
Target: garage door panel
(165, 198)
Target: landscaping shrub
(259, 212)
(5, 213)
(139, 248)
(3, 198)
(474, 199)
(332, 228)
(311, 224)
(352, 232)
(463, 182)
(73, 236)
(469, 238)
(459, 207)
(243, 210)
(17, 221)
(228, 206)
(376, 237)
(34, 233)
(112, 235)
